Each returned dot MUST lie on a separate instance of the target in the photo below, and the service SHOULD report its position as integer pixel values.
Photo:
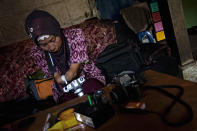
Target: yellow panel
(160, 35)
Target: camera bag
(118, 57)
(37, 85)
(40, 89)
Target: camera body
(127, 87)
(75, 86)
(95, 114)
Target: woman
(70, 53)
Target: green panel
(190, 12)
(154, 7)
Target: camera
(127, 87)
(75, 86)
(96, 113)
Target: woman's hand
(72, 73)
(58, 79)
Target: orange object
(44, 87)
(136, 105)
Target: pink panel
(158, 26)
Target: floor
(190, 73)
(17, 109)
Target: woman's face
(51, 44)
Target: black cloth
(167, 65)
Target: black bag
(158, 57)
(37, 86)
(119, 57)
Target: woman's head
(49, 43)
(44, 30)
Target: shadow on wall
(110, 9)
(13, 14)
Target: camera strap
(175, 98)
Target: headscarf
(40, 23)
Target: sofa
(17, 62)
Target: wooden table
(140, 122)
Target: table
(139, 122)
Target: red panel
(156, 16)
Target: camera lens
(118, 95)
(79, 92)
(133, 92)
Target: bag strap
(47, 79)
(175, 98)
